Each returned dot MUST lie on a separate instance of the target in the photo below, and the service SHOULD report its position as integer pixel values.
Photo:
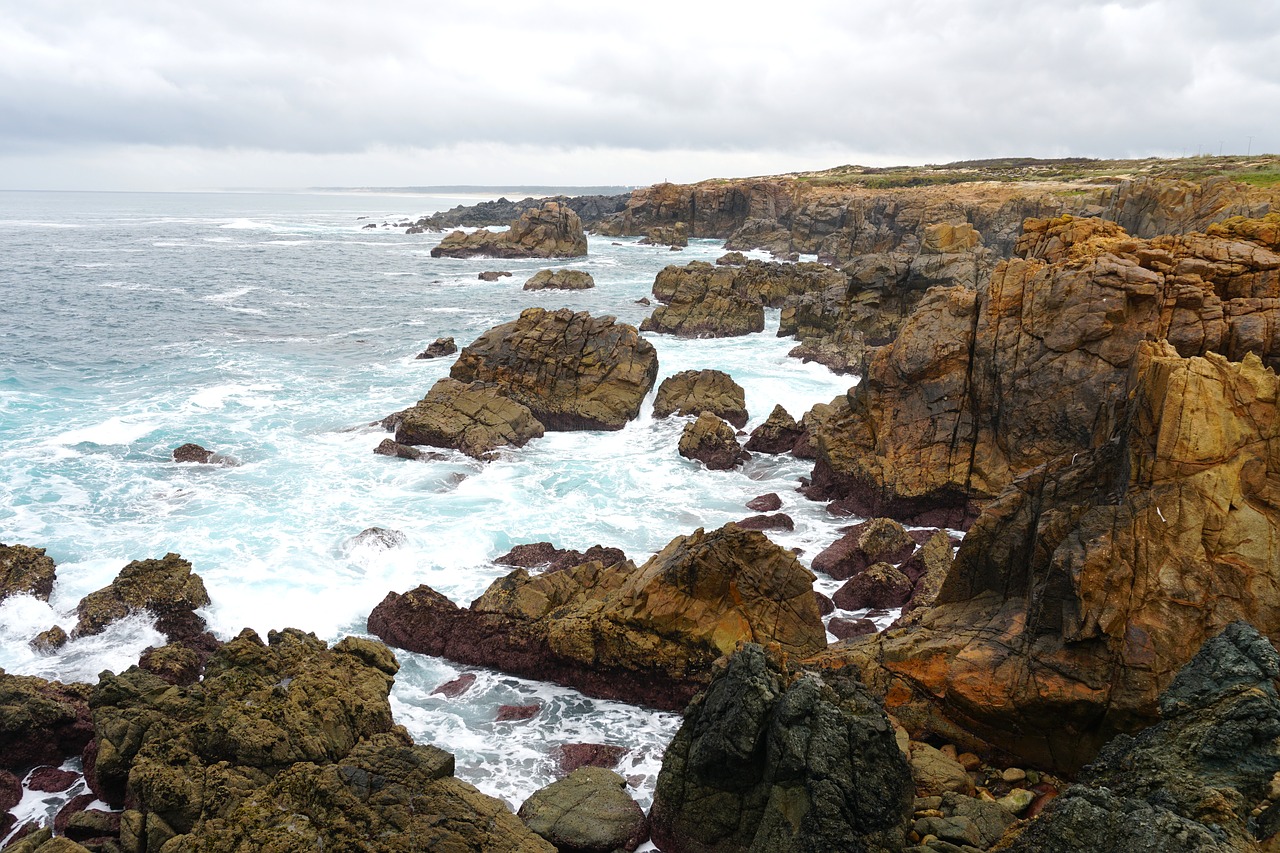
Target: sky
(158, 95)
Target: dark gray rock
(588, 811)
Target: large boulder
(166, 588)
(981, 386)
(699, 302)
(571, 370)
(41, 722)
(283, 744)
(25, 571)
(692, 392)
(550, 231)
(588, 811)
(560, 280)
(712, 442)
(647, 634)
(770, 759)
(471, 417)
(1088, 583)
(1202, 779)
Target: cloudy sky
(153, 94)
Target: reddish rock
(517, 713)
(45, 721)
(75, 805)
(391, 447)
(570, 756)
(51, 779)
(553, 559)
(455, 688)
(776, 521)
(847, 629)
(881, 585)
(11, 790)
(825, 605)
(778, 434)
(878, 541)
(765, 503)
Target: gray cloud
(902, 81)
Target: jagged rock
(768, 760)
(560, 280)
(377, 538)
(41, 722)
(881, 540)
(731, 259)
(197, 454)
(571, 370)
(473, 417)
(692, 392)
(775, 521)
(49, 640)
(570, 756)
(765, 503)
(927, 569)
(166, 588)
(712, 442)
(552, 559)
(880, 585)
(391, 447)
(493, 275)
(25, 571)
(981, 387)
(1084, 587)
(1191, 781)
(700, 303)
(778, 434)
(455, 688)
(175, 663)
(439, 347)
(646, 635)
(549, 231)
(590, 208)
(588, 811)
(675, 235)
(847, 629)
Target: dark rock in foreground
(767, 760)
(439, 348)
(588, 811)
(25, 571)
(41, 722)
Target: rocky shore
(1061, 466)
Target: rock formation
(549, 231)
(982, 386)
(590, 209)
(588, 811)
(667, 235)
(699, 302)
(471, 417)
(545, 556)
(41, 722)
(769, 759)
(439, 348)
(646, 635)
(572, 371)
(692, 392)
(25, 571)
(166, 588)
(560, 280)
(712, 442)
(195, 453)
(1087, 584)
(778, 434)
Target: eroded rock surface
(471, 417)
(692, 392)
(167, 588)
(550, 231)
(25, 571)
(712, 442)
(560, 280)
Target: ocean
(276, 328)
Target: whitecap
(124, 429)
(229, 294)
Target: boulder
(1201, 779)
(41, 722)
(473, 417)
(25, 571)
(774, 521)
(881, 540)
(199, 455)
(935, 772)
(673, 235)
(49, 640)
(550, 231)
(588, 811)
(391, 447)
(881, 585)
(699, 302)
(571, 370)
(765, 503)
(50, 780)
(778, 434)
(570, 756)
(692, 392)
(846, 629)
(455, 688)
(439, 347)
(1081, 590)
(712, 442)
(166, 588)
(560, 280)
(781, 761)
(376, 539)
(493, 275)
(647, 635)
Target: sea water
(276, 329)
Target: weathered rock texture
(699, 302)
(560, 280)
(982, 386)
(166, 588)
(1084, 587)
(282, 746)
(588, 811)
(1192, 781)
(571, 370)
(41, 722)
(549, 231)
(471, 417)
(692, 392)
(590, 209)
(774, 760)
(646, 635)
(712, 442)
(667, 235)
(439, 348)
(25, 571)
(778, 434)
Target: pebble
(1013, 774)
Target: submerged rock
(646, 635)
(474, 418)
(712, 442)
(493, 275)
(197, 454)
(692, 392)
(779, 761)
(550, 231)
(571, 370)
(25, 571)
(560, 280)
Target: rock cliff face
(981, 386)
(773, 760)
(646, 635)
(1090, 580)
(550, 231)
(571, 370)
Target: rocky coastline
(1061, 464)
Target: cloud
(903, 81)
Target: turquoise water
(275, 328)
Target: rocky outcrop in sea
(549, 231)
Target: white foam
(236, 293)
(122, 429)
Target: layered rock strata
(549, 231)
(646, 635)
